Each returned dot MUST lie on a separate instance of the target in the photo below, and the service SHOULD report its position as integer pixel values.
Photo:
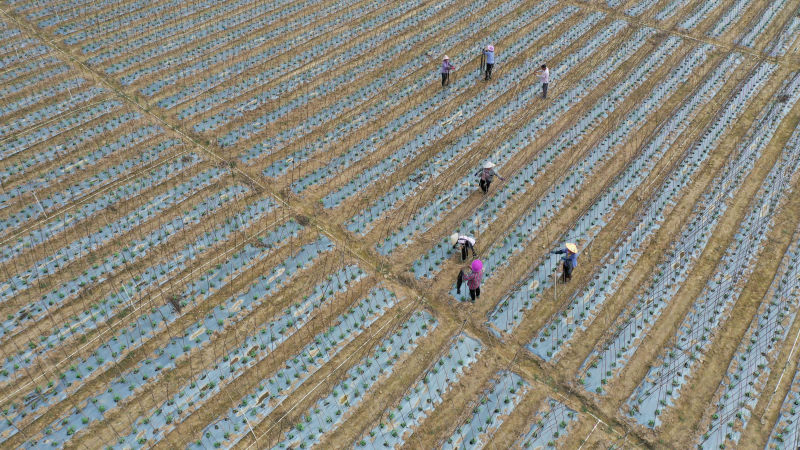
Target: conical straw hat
(453, 238)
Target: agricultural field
(226, 224)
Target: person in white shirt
(489, 52)
(466, 242)
(544, 77)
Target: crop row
(255, 406)
(756, 354)
(786, 432)
(639, 8)
(79, 247)
(300, 60)
(765, 19)
(255, 41)
(19, 143)
(148, 371)
(77, 191)
(613, 353)
(549, 425)
(729, 18)
(580, 172)
(138, 59)
(49, 112)
(367, 146)
(377, 110)
(786, 37)
(696, 333)
(437, 164)
(197, 335)
(155, 424)
(340, 82)
(160, 35)
(28, 162)
(449, 198)
(670, 9)
(501, 398)
(331, 411)
(141, 282)
(399, 422)
(585, 304)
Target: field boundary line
(760, 56)
(586, 439)
(101, 79)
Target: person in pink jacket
(473, 279)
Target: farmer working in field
(489, 52)
(446, 69)
(570, 260)
(544, 77)
(487, 174)
(467, 243)
(473, 279)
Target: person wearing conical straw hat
(570, 258)
(466, 242)
(446, 69)
(472, 278)
(489, 52)
(487, 174)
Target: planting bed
(227, 224)
(786, 433)
(613, 354)
(586, 304)
(359, 382)
(459, 86)
(548, 426)
(752, 364)
(342, 129)
(696, 333)
(257, 405)
(453, 153)
(449, 199)
(507, 314)
(505, 392)
(398, 422)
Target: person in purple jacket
(473, 279)
(446, 69)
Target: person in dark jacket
(466, 242)
(487, 174)
(446, 69)
(489, 52)
(570, 259)
(473, 279)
